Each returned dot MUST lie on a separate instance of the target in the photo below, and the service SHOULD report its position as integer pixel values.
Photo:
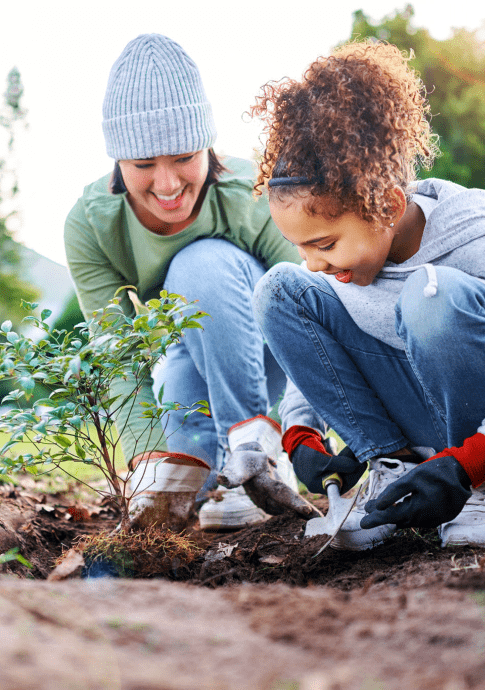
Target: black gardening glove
(430, 494)
(312, 467)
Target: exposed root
(153, 552)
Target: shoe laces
(382, 472)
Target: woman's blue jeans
(376, 397)
(226, 363)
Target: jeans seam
(429, 397)
(372, 449)
(241, 267)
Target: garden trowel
(338, 510)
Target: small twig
(213, 577)
(260, 539)
(420, 536)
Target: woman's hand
(147, 455)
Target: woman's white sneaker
(468, 528)
(234, 510)
(351, 536)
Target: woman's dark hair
(216, 168)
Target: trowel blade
(330, 524)
(338, 509)
(316, 527)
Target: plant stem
(113, 477)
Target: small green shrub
(76, 421)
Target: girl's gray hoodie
(454, 235)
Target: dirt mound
(253, 610)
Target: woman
(174, 216)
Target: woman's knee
(196, 256)
(207, 265)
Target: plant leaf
(63, 441)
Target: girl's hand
(312, 463)
(429, 495)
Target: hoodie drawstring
(431, 287)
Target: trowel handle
(332, 479)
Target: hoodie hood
(457, 218)
(454, 235)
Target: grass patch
(78, 470)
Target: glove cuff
(471, 456)
(160, 473)
(259, 429)
(302, 435)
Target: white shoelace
(380, 476)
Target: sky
(65, 50)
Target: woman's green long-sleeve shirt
(107, 248)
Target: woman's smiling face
(343, 245)
(164, 190)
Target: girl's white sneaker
(468, 528)
(351, 536)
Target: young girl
(175, 216)
(382, 328)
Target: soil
(247, 610)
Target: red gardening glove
(471, 456)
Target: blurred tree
(453, 71)
(12, 288)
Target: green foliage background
(12, 288)
(453, 72)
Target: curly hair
(354, 127)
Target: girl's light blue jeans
(227, 363)
(378, 398)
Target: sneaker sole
(464, 530)
(215, 521)
(462, 541)
(346, 540)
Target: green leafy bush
(79, 368)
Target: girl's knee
(434, 313)
(272, 289)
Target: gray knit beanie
(155, 103)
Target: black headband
(297, 180)
(281, 181)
